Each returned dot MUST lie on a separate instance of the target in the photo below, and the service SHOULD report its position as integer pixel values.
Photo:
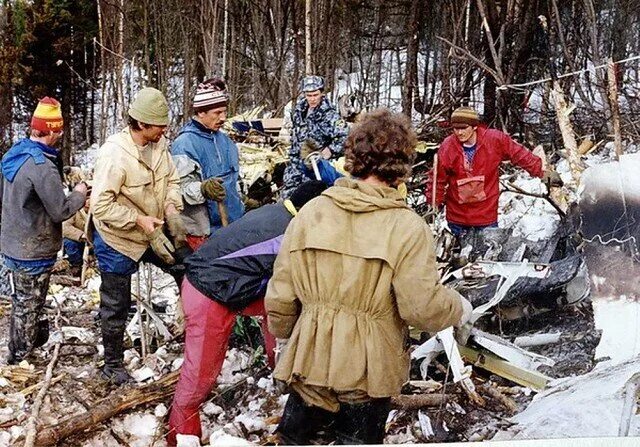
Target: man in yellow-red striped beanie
(47, 116)
(34, 206)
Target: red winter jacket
(471, 193)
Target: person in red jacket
(467, 171)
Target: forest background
(422, 58)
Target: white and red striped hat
(211, 93)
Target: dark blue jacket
(234, 265)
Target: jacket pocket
(471, 189)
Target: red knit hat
(47, 116)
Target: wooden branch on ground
(30, 429)
(505, 401)
(30, 389)
(417, 401)
(121, 400)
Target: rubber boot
(301, 422)
(28, 299)
(115, 300)
(362, 423)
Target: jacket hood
(21, 152)
(359, 197)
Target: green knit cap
(150, 107)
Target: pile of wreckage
(517, 371)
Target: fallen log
(417, 401)
(122, 400)
(493, 392)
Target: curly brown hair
(382, 144)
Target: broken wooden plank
(485, 360)
(417, 401)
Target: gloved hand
(463, 325)
(308, 150)
(250, 204)
(212, 189)
(177, 230)
(467, 308)
(161, 246)
(552, 178)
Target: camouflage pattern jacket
(323, 125)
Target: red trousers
(208, 325)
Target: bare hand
(326, 153)
(148, 223)
(81, 188)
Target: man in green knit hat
(135, 204)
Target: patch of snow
(251, 422)
(5, 439)
(619, 320)
(266, 384)
(187, 440)
(529, 217)
(140, 425)
(584, 406)
(220, 438)
(211, 409)
(142, 374)
(160, 411)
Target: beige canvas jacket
(356, 267)
(124, 186)
(74, 228)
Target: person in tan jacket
(356, 268)
(73, 238)
(135, 197)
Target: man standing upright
(33, 209)
(316, 122)
(135, 195)
(468, 171)
(208, 165)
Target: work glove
(249, 203)
(552, 178)
(467, 309)
(464, 325)
(177, 230)
(212, 189)
(162, 246)
(308, 151)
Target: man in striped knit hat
(33, 208)
(208, 164)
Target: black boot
(42, 333)
(115, 300)
(362, 423)
(301, 422)
(28, 299)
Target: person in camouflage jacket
(316, 119)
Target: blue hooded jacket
(217, 156)
(20, 152)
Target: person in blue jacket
(208, 164)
